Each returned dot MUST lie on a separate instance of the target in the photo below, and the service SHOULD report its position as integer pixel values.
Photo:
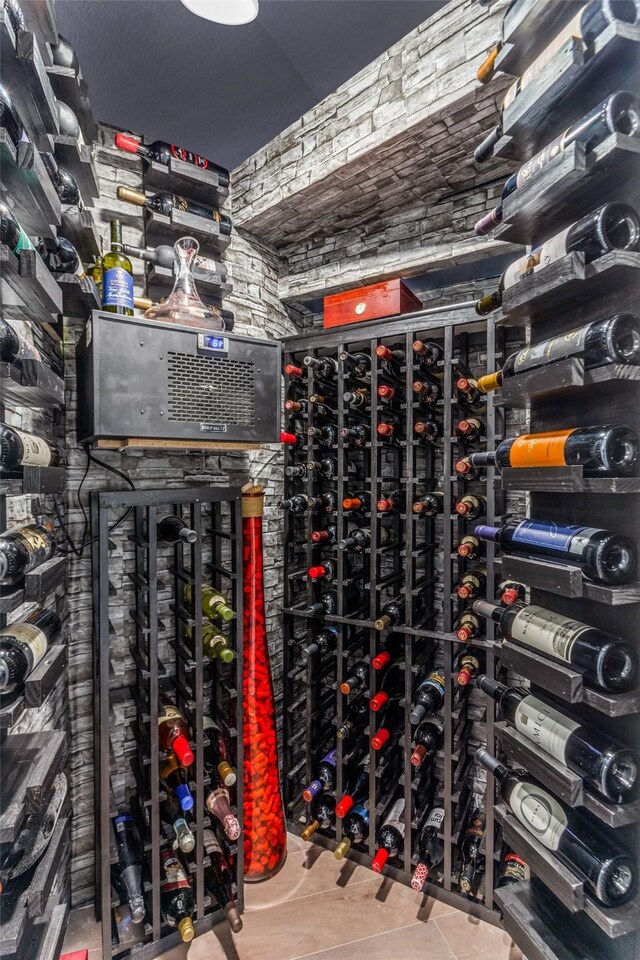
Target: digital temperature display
(209, 342)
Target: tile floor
(329, 910)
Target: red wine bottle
(429, 505)
(357, 364)
(469, 664)
(471, 584)
(173, 529)
(19, 449)
(323, 815)
(127, 872)
(390, 836)
(165, 203)
(470, 547)
(163, 152)
(218, 880)
(324, 367)
(430, 848)
(355, 830)
(177, 901)
(22, 549)
(428, 739)
(298, 503)
(428, 697)
(586, 847)
(22, 647)
(472, 859)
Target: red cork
(463, 385)
(464, 677)
(379, 738)
(463, 467)
(463, 550)
(384, 505)
(379, 860)
(292, 371)
(462, 509)
(316, 572)
(386, 392)
(381, 660)
(318, 536)
(288, 438)
(343, 806)
(128, 144)
(418, 755)
(464, 426)
(463, 592)
(351, 503)
(383, 353)
(509, 596)
(385, 429)
(463, 634)
(183, 751)
(379, 701)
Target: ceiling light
(230, 12)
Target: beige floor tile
(83, 931)
(420, 941)
(472, 939)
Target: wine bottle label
(540, 449)
(513, 868)
(547, 728)
(572, 29)
(540, 257)
(169, 712)
(550, 633)
(476, 827)
(530, 170)
(435, 818)
(117, 288)
(470, 661)
(210, 841)
(396, 817)
(550, 536)
(175, 876)
(26, 350)
(35, 451)
(31, 640)
(37, 543)
(435, 680)
(570, 344)
(181, 154)
(360, 809)
(539, 812)
(331, 758)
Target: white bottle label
(29, 639)
(550, 633)
(169, 712)
(435, 818)
(540, 813)
(551, 250)
(35, 452)
(396, 817)
(547, 728)
(572, 29)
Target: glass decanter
(183, 305)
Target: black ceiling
(155, 68)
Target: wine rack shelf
(70, 86)
(37, 584)
(566, 581)
(33, 199)
(79, 295)
(526, 29)
(187, 180)
(29, 291)
(164, 654)
(419, 565)
(565, 480)
(41, 19)
(160, 279)
(32, 761)
(38, 480)
(31, 384)
(575, 74)
(564, 191)
(165, 229)
(23, 72)
(559, 380)
(77, 158)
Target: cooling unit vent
(211, 389)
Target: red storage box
(369, 303)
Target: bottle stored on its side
(22, 549)
(324, 642)
(391, 688)
(390, 836)
(355, 830)
(323, 815)
(60, 256)
(471, 584)
(324, 367)
(325, 436)
(357, 364)
(298, 503)
(604, 660)
(325, 537)
(164, 255)
(429, 431)
(357, 678)
(468, 666)
(19, 449)
(10, 119)
(428, 738)
(609, 450)
(357, 789)
(586, 847)
(607, 766)
(173, 731)
(177, 901)
(218, 803)
(354, 722)
(171, 814)
(218, 880)
(392, 726)
(358, 398)
(63, 182)
(325, 780)
(22, 647)
(327, 571)
(471, 506)
(391, 501)
(513, 869)
(430, 848)
(326, 605)
(470, 430)
(601, 555)
(127, 872)
(427, 353)
(215, 645)
(356, 436)
(467, 626)
(175, 780)
(217, 755)
(392, 614)
(360, 539)
(472, 859)
(14, 348)
(470, 547)
(428, 697)
(214, 604)
(360, 501)
(174, 530)
(163, 152)
(11, 233)
(429, 505)
(509, 592)
(117, 276)
(165, 203)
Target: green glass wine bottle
(117, 276)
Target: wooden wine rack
(147, 602)
(313, 704)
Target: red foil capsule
(292, 371)
(288, 437)
(386, 392)
(379, 738)
(381, 660)
(316, 572)
(385, 429)
(379, 701)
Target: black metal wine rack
(420, 564)
(147, 640)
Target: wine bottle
(162, 152)
(388, 430)
(293, 371)
(614, 339)
(429, 504)
(392, 501)
(427, 353)
(467, 627)
(11, 233)
(19, 449)
(63, 182)
(326, 606)
(297, 472)
(427, 392)
(14, 14)
(430, 431)
(613, 226)
(394, 649)
(356, 436)
(325, 777)
(299, 503)
(601, 555)
(218, 802)
(177, 901)
(173, 529)
(127, 872)
(607, 766)
(358, 398)
(327, 571)
(325, 537)
(471, 506)
(15, 348)
(175, 781)
(323, 642)
(215, 645)
(602, 451)
(117, 276)
(355, 721)
(471, 584)
(390, 836)
(217, 755)
(470, 547)
(392, 355)
(580, 842)
(428, 697)
(361, 501)
(392, 614)
(325, 367)
(513, 869)
(171, 815)
(60, 256)
(326, 468)
(67, 121)
(165, 203)
(326, 436)
(428, 739)
(358, 364)
(465, 470)
(472, 859)
(323, 815)
(22, 647)
(360, 540)
(218, 880)
(386, 392)
(357, 678)
(10, 119)
(604, 660)
(470, 429)
(391, 689)
(355, 830)
(619, 113)
(486, 70)
(213, 603)
(469, 664)
(328, 502)
(173, 731)
(510, 592)
(430, 848)
(22, 549)
(357, 788)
